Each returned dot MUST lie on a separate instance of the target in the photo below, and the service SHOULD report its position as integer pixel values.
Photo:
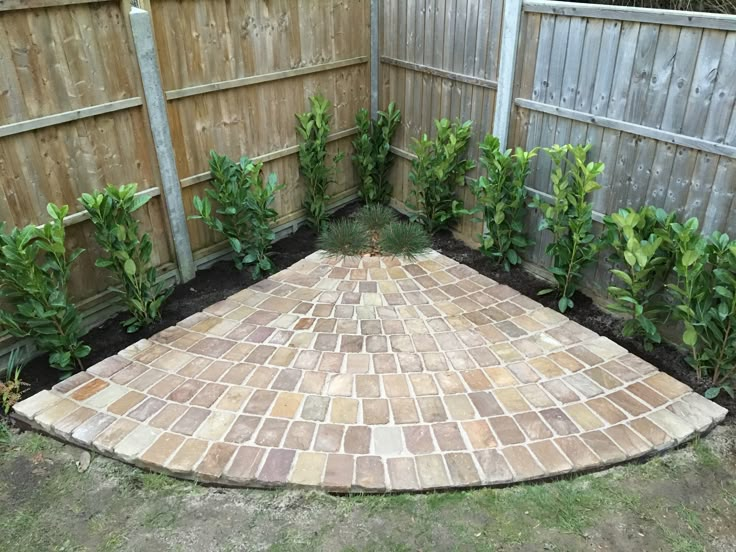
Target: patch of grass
(704, 454)
(33, 443)
(113, 543)
(5, 435)
(158, 483)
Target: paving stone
(506, 430)
(190, 421)
(550, 458)
(276, 467)
(329, 438)
(627, 440)
(88, 431)
(558, 421)
(448, 436)
(375, 411)
(387, 441)
(108, 439)
(54, 414)
(652, 433)
(338, 475)
(244, 465)
(533, 426)
(64, 427)
(479, 434)
(161, 450)
(603, 446)
(308, 469)
(461, 467)
(369, 474)
(402, 474)
(344, 411)
(432, 471)
(577, 452)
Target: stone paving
(370, 375)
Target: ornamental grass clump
(128, 253)
(570, 219)
(34, 273)
(314, 130)
(643, 257)
(439, 168)
(373, 156)
(704, 295)
(244, 213)
(403, 239)
(344, 238)
(501, 198)
(374, 230)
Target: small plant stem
(724, 345)
(568, 276)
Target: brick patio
(372, 375)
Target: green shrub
(404, 239)
(128, 253)
(642, 248)
(705, 301)
(375, 217)
(373, 157)
(439, 168)
(570, 219)
(344, 238)
(34, 272)
(501, 197)
(314, 131)
(244, 214)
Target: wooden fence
(72, 119)
(235, 73)
(73, 116)
(439, 58)
(653, 91)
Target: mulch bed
(222, 280)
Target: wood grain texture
(653, 95)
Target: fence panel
(71, 121)
(439, 58)
(653, 93)
(235, 73)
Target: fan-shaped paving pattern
(372, 374)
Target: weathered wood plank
(640, 15)
(624, 126)
(259, 79)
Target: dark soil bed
(222, 280)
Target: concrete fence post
(375, 56)
(145, 47)
(507, 64)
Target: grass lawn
(683, 501)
